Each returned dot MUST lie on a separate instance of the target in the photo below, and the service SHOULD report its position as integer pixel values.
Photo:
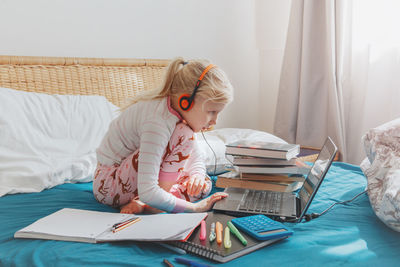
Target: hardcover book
(263, 149)
(233, 179)
(273, 169)
(271, 177)
(249, 161)
(217, 252)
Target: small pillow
(382, 169)
(47, 140)
(220, 137)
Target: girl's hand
(196, 185)
(207, 203)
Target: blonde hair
(181, 77)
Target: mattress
(348, 234)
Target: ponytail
(172, 69)
(165, 88)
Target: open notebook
(95, 226)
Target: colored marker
(236, 232)
(227, 238)
(203, 230)
(218, 230)
(212, 232)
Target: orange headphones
(186, 101)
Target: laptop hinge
(298, 207)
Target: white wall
(272, 18)
(223, 31)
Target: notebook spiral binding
(197, 249)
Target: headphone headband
(186, 101)
(205, 71)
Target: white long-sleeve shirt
(148, 126)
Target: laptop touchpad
(232, 201)
(235, 194)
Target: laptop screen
(316, 174)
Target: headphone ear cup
(185, 102)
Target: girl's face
(203, 114)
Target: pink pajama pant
(116, 185)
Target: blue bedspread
(347, 235)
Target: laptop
(281, 206)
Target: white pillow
(220, 137)
(47, 140)
(382, 170)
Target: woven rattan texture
(116, 79)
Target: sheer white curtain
(373, 87)
(340, 74)
(310, 100)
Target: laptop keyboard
(261, 201)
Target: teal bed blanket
(348, 234)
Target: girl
(149, 159)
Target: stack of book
(263, 166)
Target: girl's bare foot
(133, 207)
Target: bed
(349, 234)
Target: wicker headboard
(116, 79)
